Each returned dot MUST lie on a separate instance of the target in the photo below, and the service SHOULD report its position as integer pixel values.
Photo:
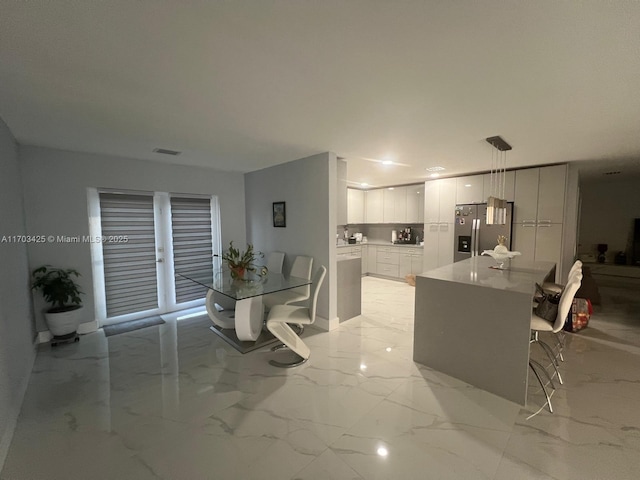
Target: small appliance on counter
(406, 236)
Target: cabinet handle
(545, 221)
(528, 225)
(544, 225)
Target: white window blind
(192, 244)
(129, 266)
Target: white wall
(55, 190)
(17, 332)
(606, 216)
(309, 188)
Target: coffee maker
(406, 235)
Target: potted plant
(240, 263)
(59, 290)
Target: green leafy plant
(241, 262)
(57, 287)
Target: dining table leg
(249, 318)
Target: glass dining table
(243, 309)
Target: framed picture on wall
(279, 214)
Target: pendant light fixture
(496, 203)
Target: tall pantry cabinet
(439, 217)
(539, 210)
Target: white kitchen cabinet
(364, 258)
(355, 206)
(524, 240)
(400, 205)
(410, 262)
(447, 208)
(539, 242)
(373, 206)
(551, 193)
(415, 203)
(539, 196)
(372, 255)
(388, 205)
(432, 202)
(539, 213)
(526, 196)
(470, 189)
(509, 186)
(431, 246)
(445, 243)
(440, 202)
(548, 243)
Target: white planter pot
(64, 323)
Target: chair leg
(288, 337)
(275, 363)
(552, 358)
(299, 327)
(544, 389)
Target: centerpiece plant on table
(242, 262)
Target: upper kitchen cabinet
(551, 193)
(342, 193)
(373, 206)
(440, 200)
(470, 189)
(400, 205)
(509, 186)
(415, 203)
(389, 212)
(355, 206)
(539, 194)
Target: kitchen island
(473, 322)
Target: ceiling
(244, 85)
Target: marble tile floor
(175, 402)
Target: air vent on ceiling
(165, 151)
(612, 173)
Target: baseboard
(327, 325)
(14, 411)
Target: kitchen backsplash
(380, 233)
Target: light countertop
(518, 275)
(380, 243)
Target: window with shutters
(165, 233)
(192, 244)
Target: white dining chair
(551, 287)
(301, 268)
(275, 261)
(281, 315)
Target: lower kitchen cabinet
(438, 245)
(538, 242)
(410, 262)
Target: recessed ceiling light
(364, 184)
(388, 349)
(434, 175)
(363, 366)
(435, 169)
(382, 451)
(390, 188)
(467, 185)
(387, 162)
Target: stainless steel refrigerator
(472, 235)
